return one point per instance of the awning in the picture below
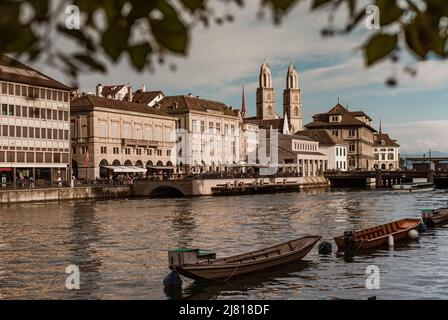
(161, 167)
(125, 169)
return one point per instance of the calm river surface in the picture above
(121, 246)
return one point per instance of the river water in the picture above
(120, 246)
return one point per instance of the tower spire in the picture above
(381, 131)
(243, 102)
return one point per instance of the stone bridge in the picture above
(147, 188)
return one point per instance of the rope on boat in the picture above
(233, 271)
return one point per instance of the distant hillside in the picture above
(426, 154)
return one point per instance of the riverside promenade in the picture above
(64, 193)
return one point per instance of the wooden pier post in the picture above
(430, 175)
(378, 179)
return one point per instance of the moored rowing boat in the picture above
(376, 237)
(234, 266)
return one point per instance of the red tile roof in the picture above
(388, 142)
(145, 97)
(89, 102)
(322, 120)
(322, 136)
(180, 104)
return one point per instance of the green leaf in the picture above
(282, 5)
(193, 5)
(114, 41)
(319, 3)
(378, 47)
(422, 36)
(389, 11)
(40, 8)
(89, 61)
(170, 33)
(139, 54)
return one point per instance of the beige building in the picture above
(34, 121)
(303, 154)
(114, 136)
(355, 128)
(211, 136)
(386, 152)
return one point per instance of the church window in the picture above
(265, 81)
(296, 112)
(296, 98)
(269, 110)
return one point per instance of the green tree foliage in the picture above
(148, 31)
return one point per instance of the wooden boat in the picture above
(433, 217)
(234, 266)
(413, 187)
(376, 237)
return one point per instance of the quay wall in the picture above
(145, 188)
(61, 194)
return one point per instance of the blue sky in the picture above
(221, 57)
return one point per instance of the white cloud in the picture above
(418, 136)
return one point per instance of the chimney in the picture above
(129, 92)
(143, 88)
(99, 90)
(190, 95)
(175, 105)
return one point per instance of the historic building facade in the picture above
(111, 136)
(212, 135)
(292, 100)
(298, 153)
(303, 154)
(34, 121)
(386, 152)
(355, 128)
(335, 148)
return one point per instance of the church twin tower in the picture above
(292, 98)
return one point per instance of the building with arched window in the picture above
(128, 136)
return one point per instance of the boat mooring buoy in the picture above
(422, 227)
(172, 279)
(391, 241)
(413, 234)
(325, 247)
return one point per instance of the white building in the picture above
(34, 120)
(212, 130)
(303, 153)
(330, 145)
(386, 152)
(126, 93)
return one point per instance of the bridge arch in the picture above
(166, 191)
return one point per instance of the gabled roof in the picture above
(322, 136)
(14, 71)
(388, 142)
(144, 97)
(89, 102)
(322, 120)
(114, 89)
(180, 104)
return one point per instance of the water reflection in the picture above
(85, 233)
(121, 246)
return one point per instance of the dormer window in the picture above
(335, 119)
